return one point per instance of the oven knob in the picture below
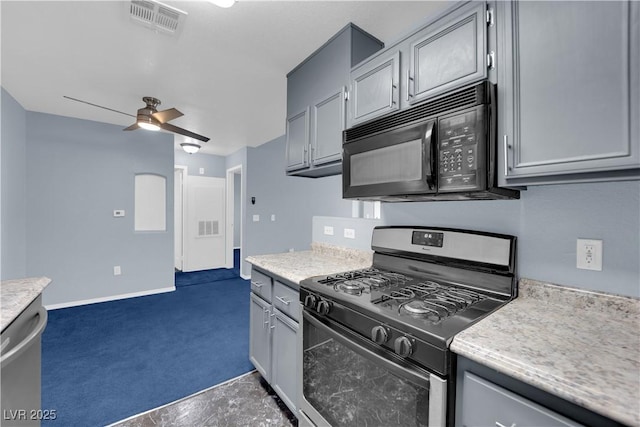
(403, 346)
(324, 307)
(310, 301)
(379, 334)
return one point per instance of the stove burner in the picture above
(353, 287)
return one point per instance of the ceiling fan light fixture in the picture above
(190, 147)
(147, 123)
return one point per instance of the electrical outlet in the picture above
(118, 213)
(589, 254)
(117, 270)
(201, 171)
(349, 233)
(328, 230)
(273, 217)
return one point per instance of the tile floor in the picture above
(245, 401)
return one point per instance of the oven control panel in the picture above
(462, 151)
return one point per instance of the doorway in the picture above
(235, 195)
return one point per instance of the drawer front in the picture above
(286, 299)
(485, 403)
(261, 285)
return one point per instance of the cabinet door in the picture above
(375, 88)
(260, 336)
(328, 123)
(449, 53)
(284, 379)
(569, 92)
(298, 140)
(487, 404)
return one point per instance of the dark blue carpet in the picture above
(105, 362)
(205, 276)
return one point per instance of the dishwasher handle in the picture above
(29, 339)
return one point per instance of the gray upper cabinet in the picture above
(448, 53)
(316, 90)
(569, 91)
(375, 88)
(298, 140)
(328, 123)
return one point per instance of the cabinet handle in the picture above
(257, 284)
(393, 88)
(409, 79)
(266, 322)
(273, 326)
(506, 154)
(282, 300)
(498, 424)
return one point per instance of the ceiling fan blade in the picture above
(166, 115)
(99, 106)
(175, 129)
(132, 127)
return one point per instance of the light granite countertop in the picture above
(320, 260)
(16, 295)
(579, 345)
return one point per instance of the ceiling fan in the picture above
(148, 117)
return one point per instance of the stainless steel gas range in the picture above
(375, 342)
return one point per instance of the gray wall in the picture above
(547, 221)
(78, 172)
(13, 191)
(214, 166)
(293, 200)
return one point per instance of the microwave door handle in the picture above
(429, 145)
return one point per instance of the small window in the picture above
(150, 202)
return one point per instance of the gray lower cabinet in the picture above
(316, 103)
(486, 397)
(284, 380)
(569, 91)
(273, 329)
(488, 404)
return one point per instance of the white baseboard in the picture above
(109, 298)
(245, 277)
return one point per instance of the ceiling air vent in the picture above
(157, 16)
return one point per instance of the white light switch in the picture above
(273, 217)
(118, 213)
(328, 230)
(117, 270)
(256, 218)
(589, 254)
(349, 233)
(201, 171)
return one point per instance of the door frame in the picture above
(179, 227)
(230, 214)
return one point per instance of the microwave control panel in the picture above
(462, 151)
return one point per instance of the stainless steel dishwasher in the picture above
(20, 362)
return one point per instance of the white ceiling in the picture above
(226, 71)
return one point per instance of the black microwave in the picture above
(442, 149)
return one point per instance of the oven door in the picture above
(396, 162)
(347, 381)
